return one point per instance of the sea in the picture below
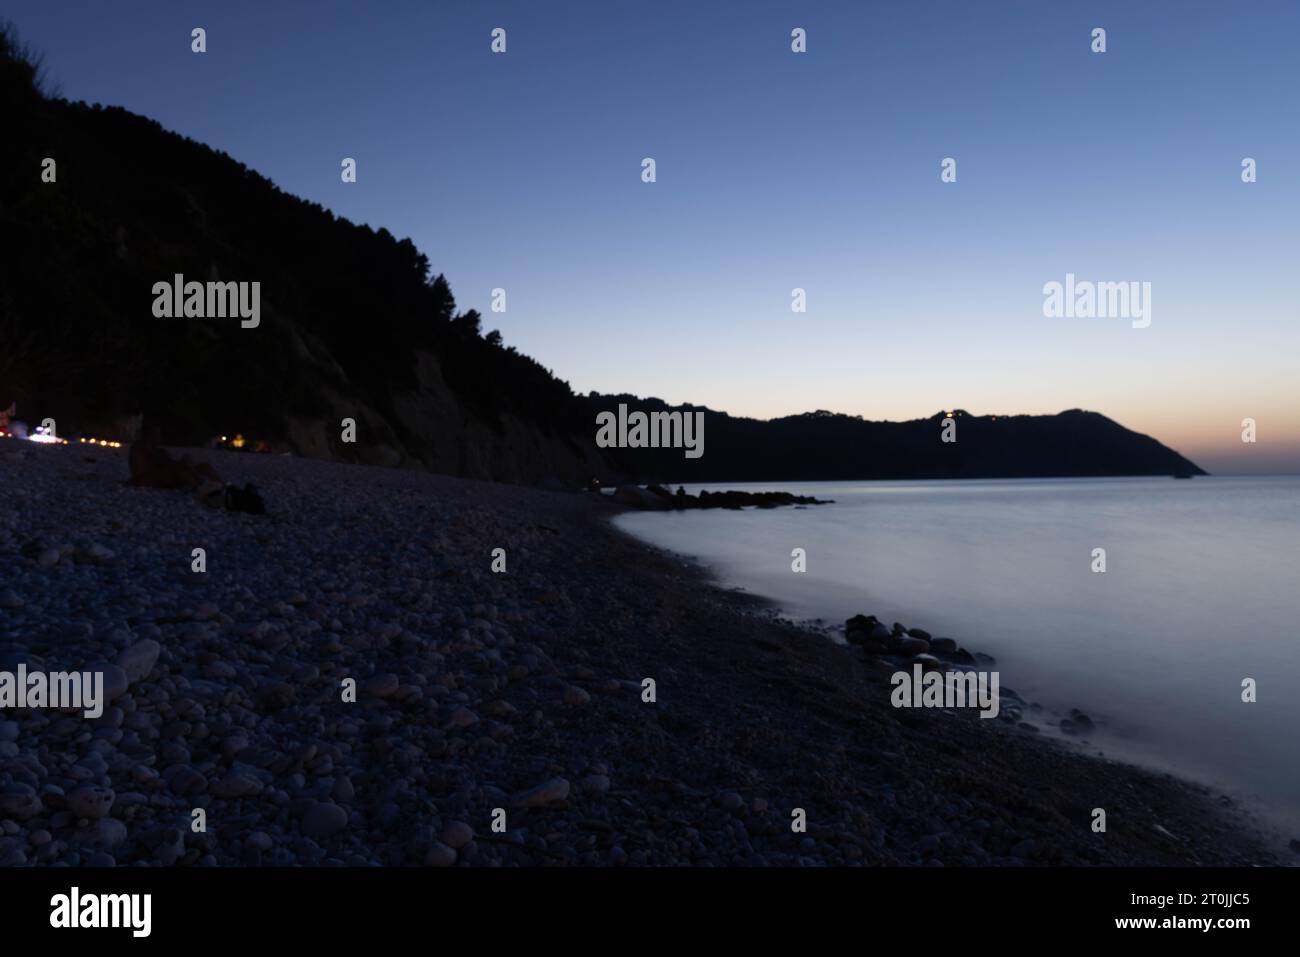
(1200, 592)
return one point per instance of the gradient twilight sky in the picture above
(778, 170)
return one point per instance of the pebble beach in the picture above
(513, 698)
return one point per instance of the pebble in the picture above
(92, 803)
(20, 802)
(573, 695)
(440, 855)
(115, 680)
(549, 792)
(105, 833)
(237, 785)
(382, 686)
(139, 659)
(462, 718)
(457, 834)
(323, 819)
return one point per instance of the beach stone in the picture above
(323, 819)
(929, 662)
(343, 790)
(462, 718)
(943, 646)
(731, 801)
(97, 553)
(184, 780)
(382, 686)
(638, 497)
(170, 847)
(20, 802)
(8, 730)
(859, 628)
(1080, 719)
(573, 695)
(115, 680)
(457, 834)
(105, 833)
(9, 599)
(548, 792)
(1024, 850)
(596, 783)
(237, 785)
(440, 855)
(12, 853)
(908, 646)
(48, 558)
(139, 659)
(91, 803)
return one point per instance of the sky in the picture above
(778, 170)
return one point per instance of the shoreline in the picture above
(520, 690)
(1250, 830)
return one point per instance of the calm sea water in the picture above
(1201, 590)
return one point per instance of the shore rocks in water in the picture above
(907, 647)
(638, 497)
(1076, 723)
(658, 498)
(914, 644)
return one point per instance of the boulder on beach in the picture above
(638, 497)
(910, 646)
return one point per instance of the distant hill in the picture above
(824, 445)
(356, 325)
